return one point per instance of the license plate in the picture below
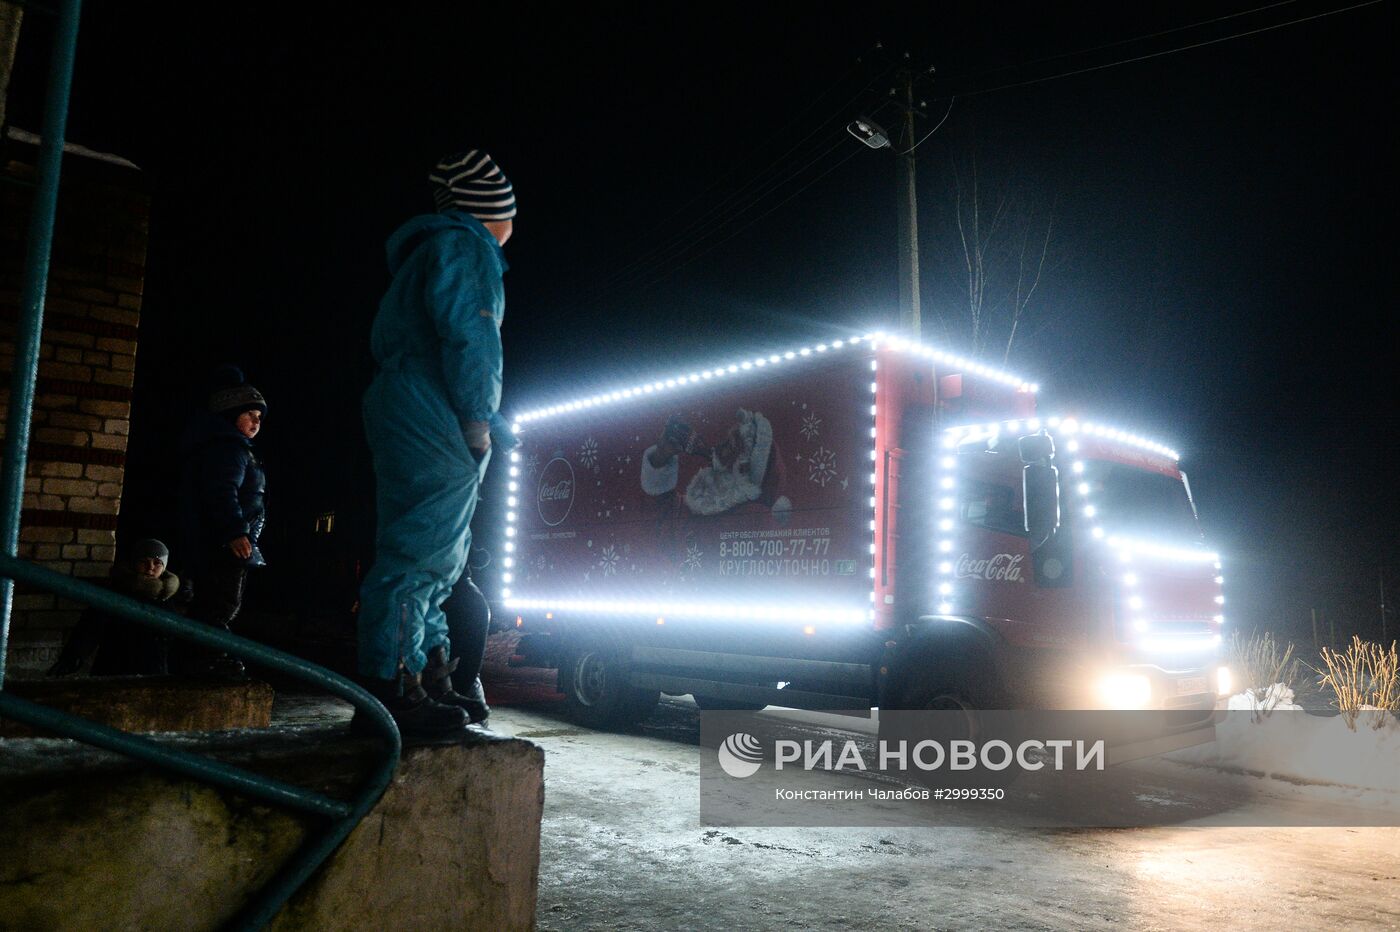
(1190, 685)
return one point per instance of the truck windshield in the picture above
(1140, 503)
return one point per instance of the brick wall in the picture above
(87, 366)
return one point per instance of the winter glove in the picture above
(502, 437)
(478, 436)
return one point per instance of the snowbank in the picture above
(1287, 743)
(1277, 697)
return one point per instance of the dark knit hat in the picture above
(149, 548)
(469, 181)
(233, 394)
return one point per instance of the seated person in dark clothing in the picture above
(123, 647)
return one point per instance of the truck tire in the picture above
(949, 682)
(948, 676)
(935, 698)
(945, 698)
(597, 693)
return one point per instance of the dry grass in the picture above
(1258, 662)
(1363, 678)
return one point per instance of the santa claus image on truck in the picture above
(758, 487)
(744, 469)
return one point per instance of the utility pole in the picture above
(869, 132)
(909, 317)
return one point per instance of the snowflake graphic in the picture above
(588, 454)
(811, 427)
(693, 557)
(607, 562)
(821, 466)
(532, 465)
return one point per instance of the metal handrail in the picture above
(344, 815)
(29, 327)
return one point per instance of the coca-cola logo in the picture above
(559, 490)
(1002, 567)
(556, 491)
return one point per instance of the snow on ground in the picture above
(623, 847)
(1269, 734)
(1277, 697)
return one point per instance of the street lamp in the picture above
(869, 132)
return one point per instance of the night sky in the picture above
(688, 193)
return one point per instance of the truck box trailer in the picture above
(868, 522)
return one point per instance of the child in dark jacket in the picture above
(222, 510)
(122, 647)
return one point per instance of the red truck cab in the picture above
(1112, 602)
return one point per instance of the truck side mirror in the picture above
(1040, 487)
(1040, 484)
(1036, 448)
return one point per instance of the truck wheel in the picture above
(597, 693)
(711, 704)
(960, 720)
(946, 699)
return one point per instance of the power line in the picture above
(660, 266)
(711, 222)
(1130, 41)
(764, 144)
(699, 229)
(714, 246)
(934, 130)
(1171, 51)
(714, 217)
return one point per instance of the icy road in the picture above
(623, 848)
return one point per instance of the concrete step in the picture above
(92, 840)
(148, 703)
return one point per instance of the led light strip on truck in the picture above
(874, 340)
(822, 613)
(1126, 548)
(1068, 427)
(664, 610)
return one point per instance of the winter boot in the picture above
(225, 668)
(203, 663)
(419, 717)
(437, 682)
(476, 706)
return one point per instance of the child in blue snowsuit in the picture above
(431, 420)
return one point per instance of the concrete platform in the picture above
(148, 703)
(91, 840)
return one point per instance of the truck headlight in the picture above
(1122, 690)
(1224, 682)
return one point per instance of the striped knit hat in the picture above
(471, 182)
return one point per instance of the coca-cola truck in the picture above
(863, 523)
